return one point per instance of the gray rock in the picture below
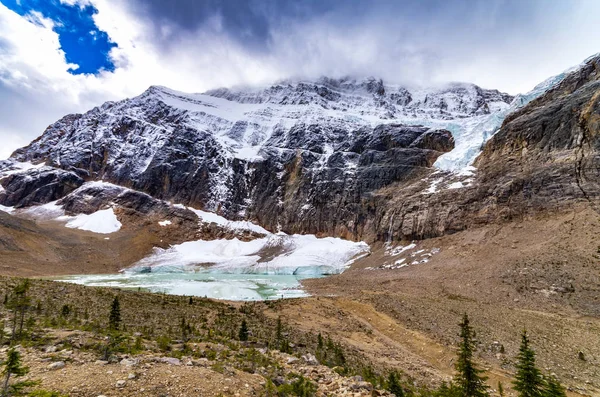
(171, 360)
(56, 365)
(310, 359)
(129, 362)
(101, 362)
(292, 360)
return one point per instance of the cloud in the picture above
(194, 46)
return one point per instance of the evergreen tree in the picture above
(19, 303)
(114, 319)
(319, 341)
(469, 379)
(500, 389)
(243, 334)
(448, 390)
(191, 301)
(66, 310)
(184, 329)
(12, 366)
(528, 379)
(279, 334)
(393, 385)
(554, 388)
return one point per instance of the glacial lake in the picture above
(242, 287)
(266, 268)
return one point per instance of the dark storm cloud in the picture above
(253, 22)
(249, 22)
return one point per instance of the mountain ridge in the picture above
(301, 157)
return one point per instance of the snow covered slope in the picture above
(243, 123)
(297, 156)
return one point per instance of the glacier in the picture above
(471, 135)
(276, 254)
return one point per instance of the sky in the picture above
(67, 56)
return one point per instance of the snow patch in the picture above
(49, 210)
(17, 167)
(10, 210)
(165, 223)
(103, 221)
(393, 251)
(210, 217)
(416, 257)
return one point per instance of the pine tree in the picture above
(393, 385)
(66, 310)
(500, 389)
(114, 319)
(19, 303)
(319, 342)
(279, 334)
(12, 366)
(554, 388)
(469, 379)
(243, 334)
(528, 379)
(184, 329)
(448, 390)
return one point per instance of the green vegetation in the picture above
(114, 319)
(199, 328)
(528, 379)
(299, 386)
(18, 302)
(393, 385)
(469, 379)
(554, 388)
(243, 333)
(13, 367)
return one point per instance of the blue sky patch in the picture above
(81, 40)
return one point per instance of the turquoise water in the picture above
(243, 287)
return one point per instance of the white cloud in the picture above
(36, 87)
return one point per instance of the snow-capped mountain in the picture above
(212, 140)
(299, 156)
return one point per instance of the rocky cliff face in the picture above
(345, 157)
(544, 158)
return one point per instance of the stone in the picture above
(121, 383)
(129, 362)
(56, 365)
(310, 359)
(292, 360)
(171, 360)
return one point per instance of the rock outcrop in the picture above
(544, 158)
